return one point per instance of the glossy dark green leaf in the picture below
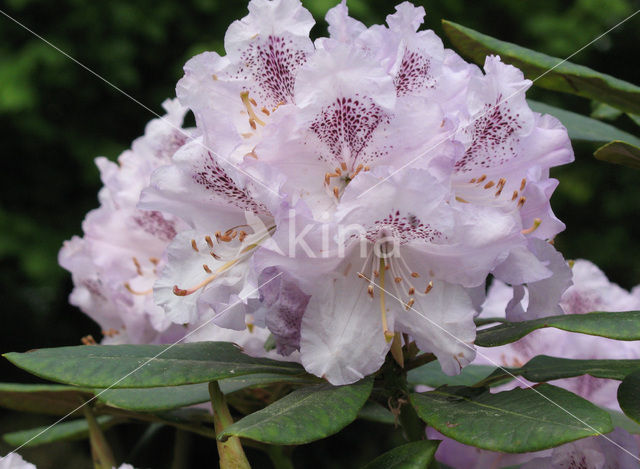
(431, 375)
(621, 153)
(305, 415)
(172, 397)
(621, 326)
(73, 430)
(515, 421)
(629, 396)
(549, 72)
(604, 112)
(545, 368)
(584, 128)
(146, 366)
(374, 412)
(414, 455)
(50, 399)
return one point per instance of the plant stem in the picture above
(279, 458)
(181, 450)
(230, 451)
(419, 361)
(100, 449)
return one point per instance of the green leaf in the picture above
(635, 118)
(172, 397)
(374, 412)
(431, 375)
(146, 366)
(415, 455)
(305, 415)
(629, 396)
(73, 430)
(545, 368)
(618, 152)
(620, 420)
(584, 128)
(620, 326)
(549, 72)
(515, 421)
(604, 111)
(50, 399)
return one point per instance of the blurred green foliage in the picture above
(55, 118)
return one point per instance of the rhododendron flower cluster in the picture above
(345, 195)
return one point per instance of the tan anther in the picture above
(515, 195)
(252, 154)
(521, 202)
(338, 171)
(327, 178)
(265, 111)
(412, 291)
(209, 241)
(358, 169)
(429, 287)
(489, 185)
(410, 303)
(154, 260)
(215, 77)
(415, 274)
(397, 279)
(366, 168)
(246, 135)
(361, 275)
(387, 267)
(336, 192)
(242, 235)
(252, 123)
(376, 273)
(370, 290)
(194, 245)
(253, 101)
(472, 180)
(343, 165)
(215, 256)
(523, 183)
(481, 178)
(206, 268)
(179, 291)
(88, 340)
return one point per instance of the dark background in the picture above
(55, 118)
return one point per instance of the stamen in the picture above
(472, 180)
(522, 184)
(248, 102)
(481, 178)
(343, 165)
(246, 135)
(338, 171)
(534, 227)
(521, 202)
(242, 235)
(327, 178)
(138, 267)
(515, 195)
(376, 273)
(358, 169)
(410, 303)
(194, 245)
(88, 340)
(415, 274)
(252, 154)
(460, 199)
(489, 184)
(184, 292)
(215, 77)
(206, 268)
(370, 290)
(154, 260)
(412, 291)
(214, 255)
(388, 335)
(366, 168)
(336, 192)
(265, 111)
(429, 287)
(134, 292)
(209, 241)
(398, 279)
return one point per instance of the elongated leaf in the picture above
(515, 421)
(50, 399)
(618, 152)
(584, 128)
(621, 420)
(305, 415)
(620, 326)
(146, 366)
(374, 412)
(629, 396)
(73, 430)
(414, 455)
(545, 368)
(172, 397)
(604, 112)
(566, 77)
(431, 375)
